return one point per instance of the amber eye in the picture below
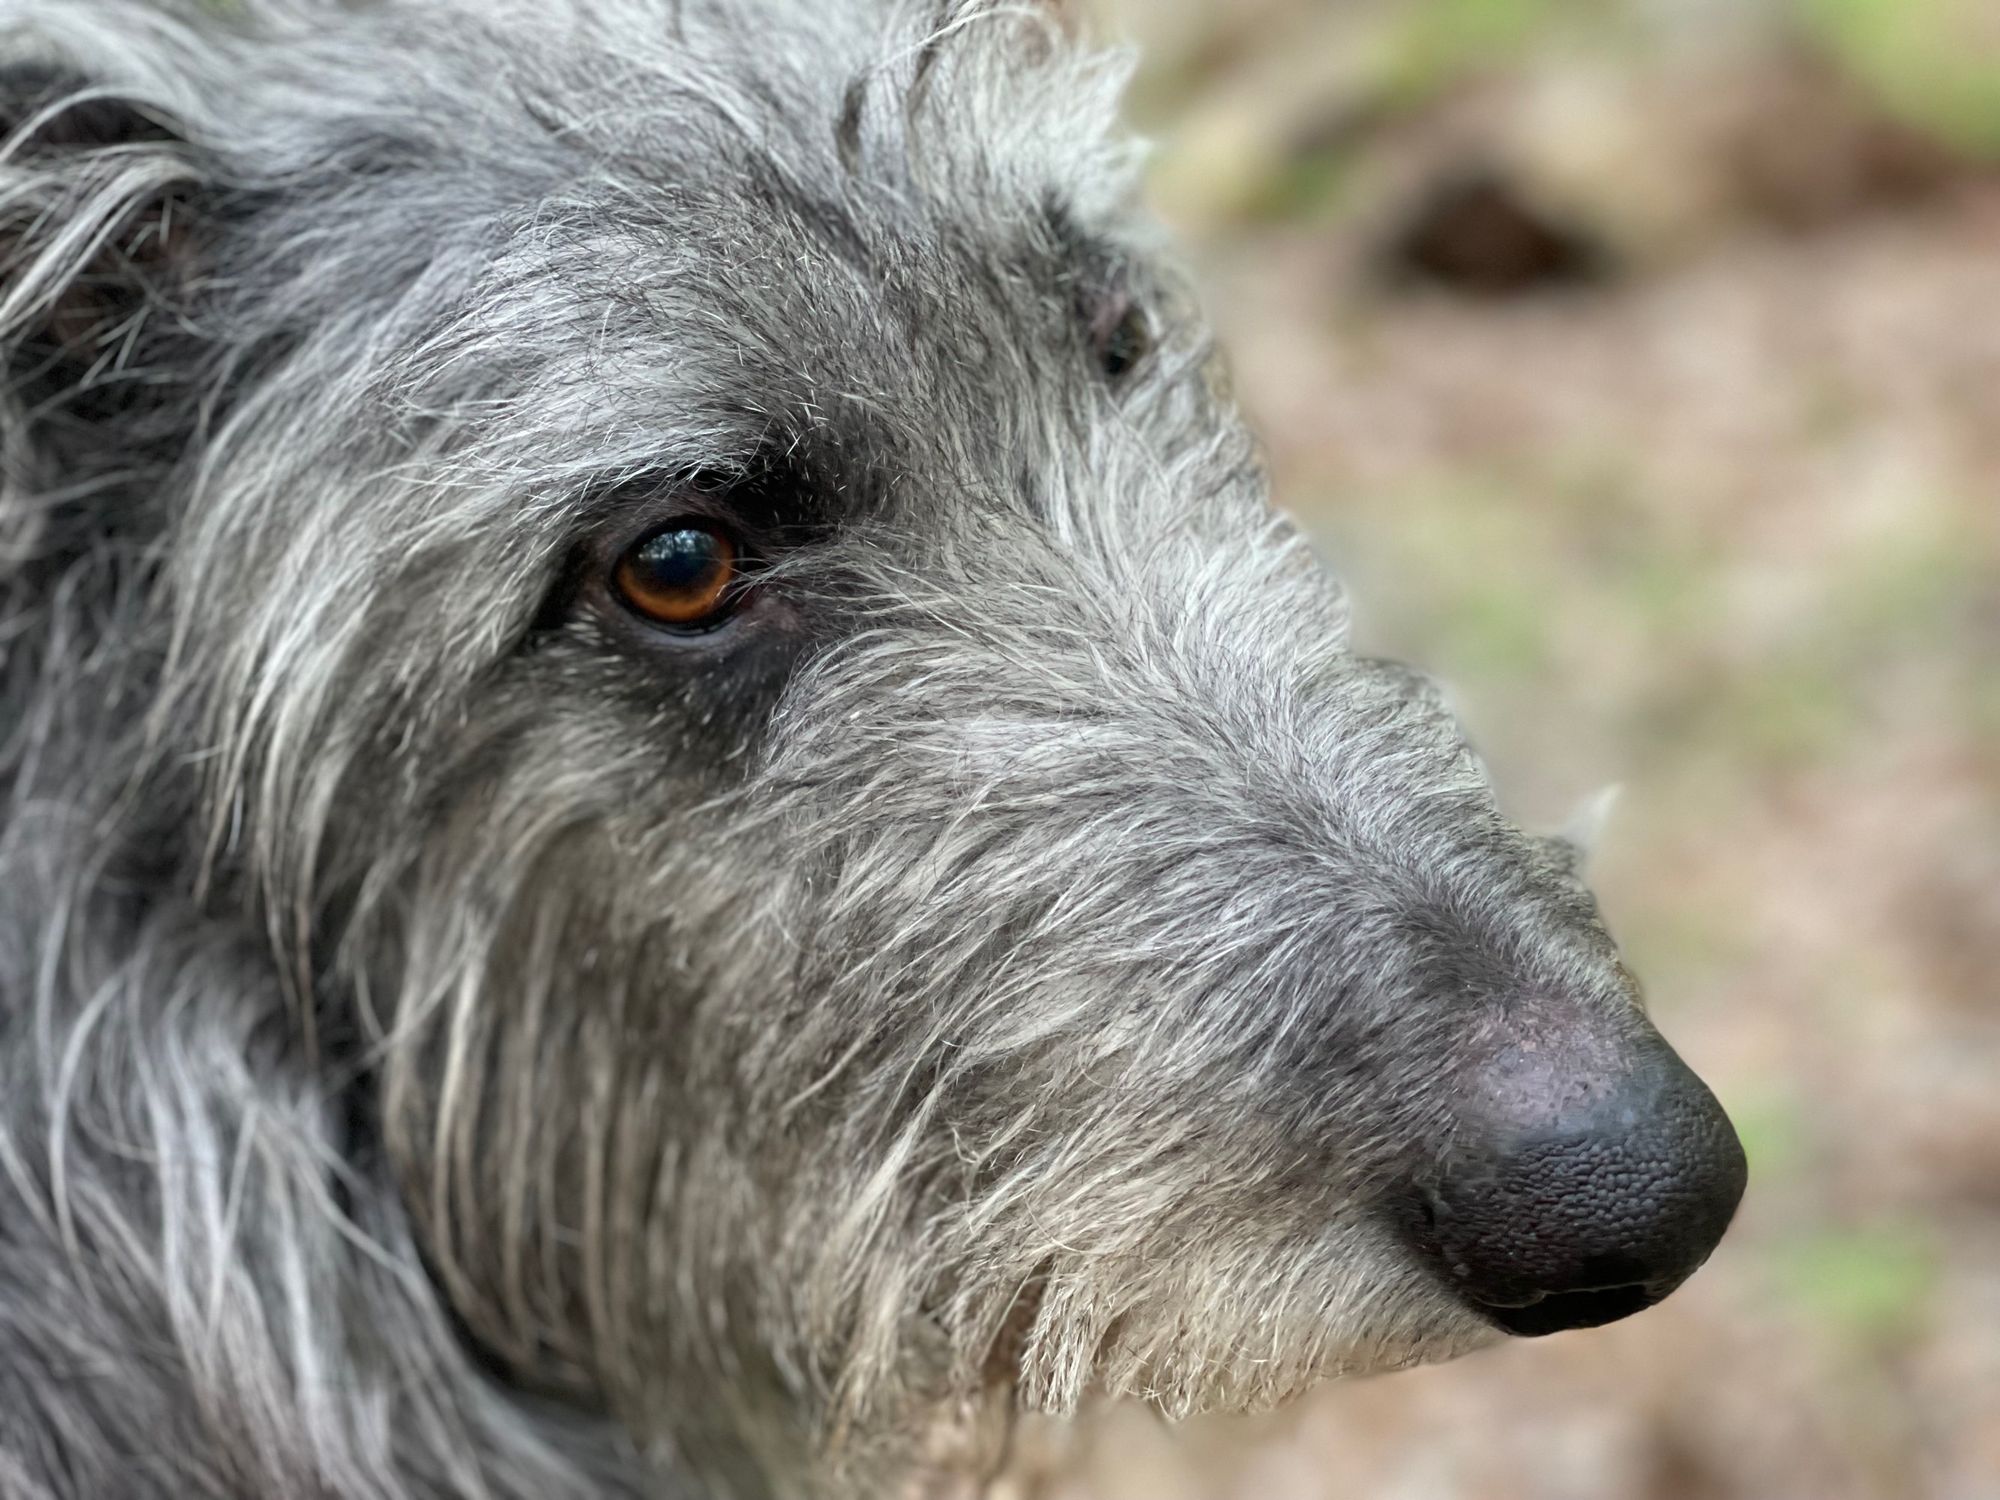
(684, 576)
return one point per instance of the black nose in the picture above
(1567, 1202)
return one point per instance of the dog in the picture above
(677, 821)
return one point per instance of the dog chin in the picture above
(965, 1444)
(1220, 1379)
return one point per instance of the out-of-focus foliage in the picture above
(1428, 47)
(1936, 62)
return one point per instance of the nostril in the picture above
(1567, 1310)
(1587, 1213)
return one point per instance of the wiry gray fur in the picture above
(457, 1041)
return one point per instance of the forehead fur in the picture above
(542, 237)
(399, 150)
(930, 96)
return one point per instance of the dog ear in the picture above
(97, 198)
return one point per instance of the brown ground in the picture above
(1709, 510)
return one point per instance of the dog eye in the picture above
(684, 576)
(1122, 339)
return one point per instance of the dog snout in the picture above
(1578, 1188)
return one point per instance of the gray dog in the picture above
(676, 819)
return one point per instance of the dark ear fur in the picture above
(97, 198)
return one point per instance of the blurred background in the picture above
(1639, 363)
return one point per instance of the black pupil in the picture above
(680, 561)
(1125, 345)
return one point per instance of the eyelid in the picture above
(770, 501)
(655, 511)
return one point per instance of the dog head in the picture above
(743, 665)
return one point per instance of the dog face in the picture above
(748, 667)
